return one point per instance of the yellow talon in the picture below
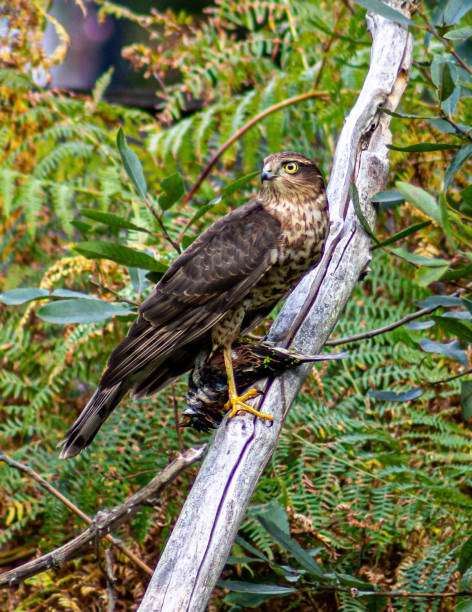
(237, 402)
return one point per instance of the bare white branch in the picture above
(196, 551)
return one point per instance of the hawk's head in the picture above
(291, 175)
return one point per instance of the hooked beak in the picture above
(267, 175)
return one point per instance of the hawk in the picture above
(222, 285)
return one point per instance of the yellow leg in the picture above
(237, 402)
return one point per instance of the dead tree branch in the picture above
(199, 545)
(104, 522)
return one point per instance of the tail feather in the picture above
(92, 417)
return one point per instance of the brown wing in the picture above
(211, 276)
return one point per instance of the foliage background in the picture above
(375, 489)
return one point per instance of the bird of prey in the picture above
(222, 285)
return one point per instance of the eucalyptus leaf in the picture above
(13, 297)
(446, 83)
(463, 315)
(360, 215)
(419, 325)
(447, 301)
(420, 260)
(110, 219)
(238, 183)
(132, 165)
(422, 147)
(292, 546)
(465, 555)
(459, 33)
(391, 396)
(375, 6)
(173, 188)
(259, 589)
(80, 310)
(460, 158)
(426, 275)
(454, 327)
(421, 199)
(412, 229)
(448, 349)
(97, 249)
(466, 400)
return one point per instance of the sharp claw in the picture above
(237, 403)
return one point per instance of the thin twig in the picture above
(446, 44)
(46, 485)
(113, 292)
(446, 380)
(382, 330)
(268, 111)
(104, 522)
(355, 593)
(158, 218)
(111, 580)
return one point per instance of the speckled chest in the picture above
(304, 231)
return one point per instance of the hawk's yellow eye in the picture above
(291, 167)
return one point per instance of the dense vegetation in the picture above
(372, 477)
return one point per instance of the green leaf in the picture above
(244, 601)
(375, 6)
(97, 249)
(251, 587)
(238, 183)
(20, 296)
(463, 604)
(454, 327)
(390, 196)
(391, 396)
(446, 84)
(446, 128)
(392, 113)
(132, 165)
(68, 293)
(459, 33)
(173, 188)
(246, 546)
(80, 310)
(426, 275)
(83, 228)
(421, 199)
(460, 158)
(447, 301)
(467, 304)
(418, 325)
(458, 314)
(293, 547)
(110, 219)
(419, 260)
(424, 146)
(412, 229)
(449, 349)
(465, 555)
(278, 515)
(466, 400)
(445, 222)
(360, 215)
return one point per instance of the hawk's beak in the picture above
(267, 175)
